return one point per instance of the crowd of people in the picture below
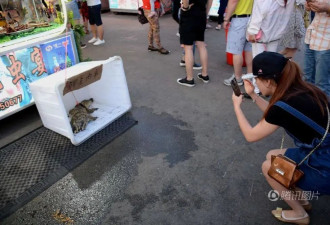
(298, 101)
(253, 26)
(90, 12)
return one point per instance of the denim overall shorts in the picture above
(316, 167)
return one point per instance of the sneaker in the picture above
(163, 51)
(178, 34)
(227, 81)
(205, 79)
(218, 27)
(208, 26)
(99, 42)
(182, 63)
(152, 48)
(82, 46)
(92, 40)
(196, 66)
(185, 82)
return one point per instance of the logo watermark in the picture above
(274, 195)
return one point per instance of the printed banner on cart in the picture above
(20, 68)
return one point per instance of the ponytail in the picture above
(291, 84)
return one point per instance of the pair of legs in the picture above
(258, 48)
(189, 58)
(317, 68)
(84, 14)
(95, 22)
(289, 52)
(294, 33)
(296, 204)
(238, 64)
(97, 31)
(236, 44)
(221, 11)
(154, 32)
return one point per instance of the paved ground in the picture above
(186, 162)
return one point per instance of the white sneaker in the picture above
(227, 82)
(92, 40)
(99, 42)
(178, 34)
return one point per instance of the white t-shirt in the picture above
(93, 2)
(272, 17)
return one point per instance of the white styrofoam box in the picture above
(110, 95)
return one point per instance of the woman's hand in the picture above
(188, 8)
(252, 38)
(249, 87)
(307, 7)
(319, 7)
(237, 100)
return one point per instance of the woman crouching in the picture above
(302, 110)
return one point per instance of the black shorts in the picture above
(94, 13)
(192, 26)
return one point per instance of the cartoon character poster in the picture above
(17, 70)
(54, 53)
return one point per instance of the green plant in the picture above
(80, 29)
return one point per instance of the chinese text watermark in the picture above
(274, 195)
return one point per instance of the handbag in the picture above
(141, 17)
(285, 171)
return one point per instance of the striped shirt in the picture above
(318, 32)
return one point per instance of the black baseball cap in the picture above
(269, 65)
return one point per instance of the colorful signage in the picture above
(54, 53)
(21, 67)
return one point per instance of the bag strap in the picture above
(318, 145)
(308, 119)
(300, 116)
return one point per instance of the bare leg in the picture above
(189, 59)
(93, 28)
(238, 62)
(86, 26)
(297, 210)
(203, 56)
(290, 52)
(100, 32)
(284, 51)
(248, 61)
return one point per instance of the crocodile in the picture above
(80, 115)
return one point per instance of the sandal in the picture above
(278, 214)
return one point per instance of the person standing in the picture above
(268, 21)
(84, 14)
(95, 21)
(239, 11)
(192, 28)
(221, 11)
(295, 30)
(317, 40)
(152, 10)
